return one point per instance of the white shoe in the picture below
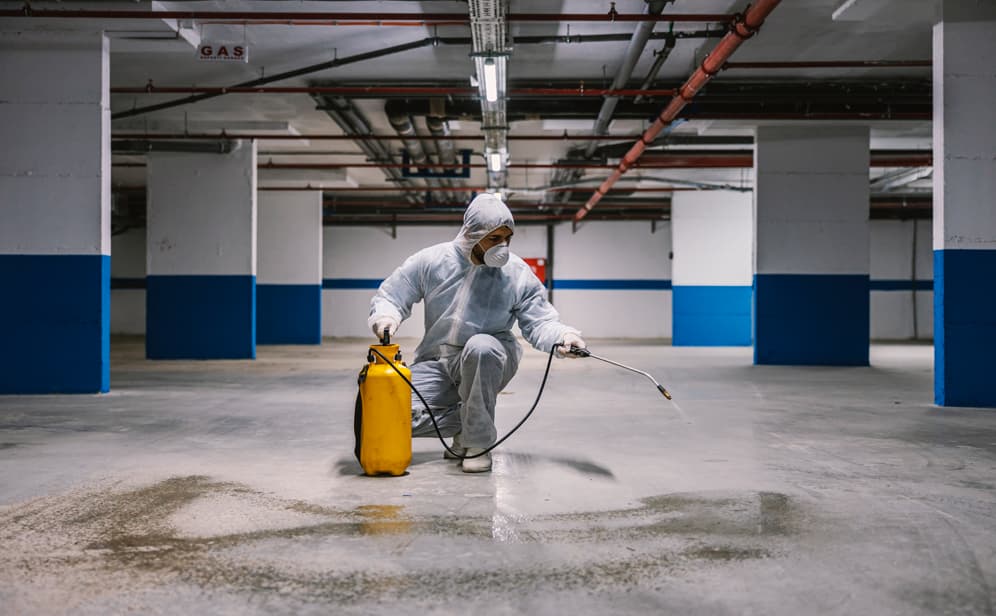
(458, 449)
(481, 464)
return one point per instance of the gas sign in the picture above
(237, 52)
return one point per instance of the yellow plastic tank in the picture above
(383, 419)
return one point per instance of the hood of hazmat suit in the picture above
(484, 214)
(463, 299)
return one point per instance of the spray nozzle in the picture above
(579, 351)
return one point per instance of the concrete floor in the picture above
(230, 488)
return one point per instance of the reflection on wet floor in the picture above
(142, 532)
(345, 467)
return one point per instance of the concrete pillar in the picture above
(964, 205)
(201, 242)
(712, 268)
(289, 285)
(811, 262)
(54, 212)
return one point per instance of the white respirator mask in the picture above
(496, 256)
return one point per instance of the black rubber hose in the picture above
(435, 425)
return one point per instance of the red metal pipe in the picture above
(337, 203)
(855, 115)
(337, 19)
(742, 29)
(833, 64)
(670, 160)
(338, 137)
(387, 90)
(422, 189)
(457, 218)
(465, 137)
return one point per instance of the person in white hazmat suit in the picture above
(474, 289)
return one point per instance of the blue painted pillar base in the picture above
(289, 314)
(200, 317)
(711, 316)
(964, 327)
(818, 320)
(56, 316)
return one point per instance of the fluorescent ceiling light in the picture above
(490, 80)
(494, 162)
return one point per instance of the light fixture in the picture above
(494, 162)
(490, 80)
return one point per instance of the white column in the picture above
(964, 204)
(54, 212)
(712, 268)
(811, 191)
(201, 242)
(289, 285)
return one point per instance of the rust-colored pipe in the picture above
(833, 64)
(375, 19)
(670, 160)
(742, 28)
(385, 90)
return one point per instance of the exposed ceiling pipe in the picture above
(742, 28)
(668, 160)
(352, 122)
(445, 147)
(832, 64)
(321, 66)
(402, 124)
(143, 146)
(365, 19)
(339, 137)
(660, 57)
(383, 91)
(633, 52)
(901, 178)
(389, 189)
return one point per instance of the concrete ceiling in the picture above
(163, 52)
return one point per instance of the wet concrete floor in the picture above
(229, 487)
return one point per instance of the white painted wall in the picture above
(202, 213)
(713, 235)
(811, 200)
(892, 247)
(290, 238)
(614, 251)
(55, 155)
(128, 261)
(964, 133)
(369, 253)
(600, 251)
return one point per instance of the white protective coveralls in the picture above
(468, 354)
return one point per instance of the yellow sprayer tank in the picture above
(383, 419)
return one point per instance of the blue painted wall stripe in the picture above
(351, 283)
(288, 314)
(811, 319)
(572, 284)
(711, 315)
(200, 317)
(561, 284)
(964, 327)
(56, 334)
(900, 285)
